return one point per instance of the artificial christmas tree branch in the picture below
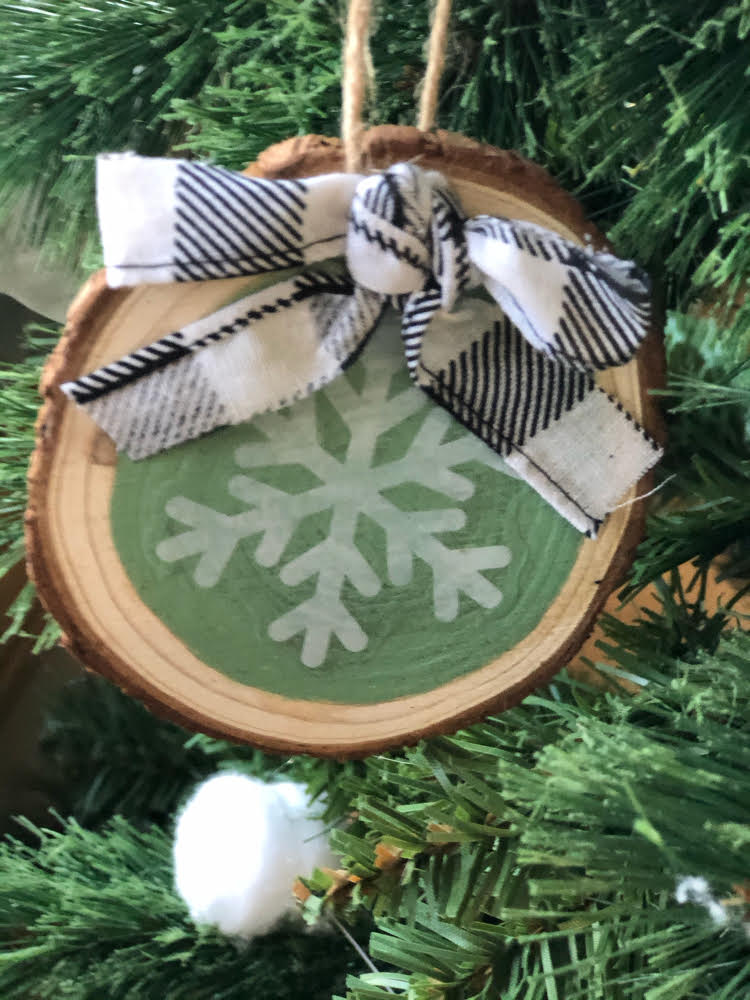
(572, 820)
(88, 915)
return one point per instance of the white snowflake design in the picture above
(351, 488)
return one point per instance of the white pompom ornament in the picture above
(239, 845)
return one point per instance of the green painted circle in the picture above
(336, 533)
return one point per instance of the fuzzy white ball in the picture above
(695, 889)
(239, 845)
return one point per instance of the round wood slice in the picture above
(79, 488)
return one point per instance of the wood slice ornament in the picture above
(347, 574)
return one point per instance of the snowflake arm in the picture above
(211, 535)
(320, 618)
(334, 561)
(302, 447)
(214, 536)
(454, 571)
(399, 552)
(278, 513)
(458, 571)
(430, 462)
(372, 406)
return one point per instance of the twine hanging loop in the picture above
(355, 72)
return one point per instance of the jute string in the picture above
(355, 74)
(435, 62)
(354, 81)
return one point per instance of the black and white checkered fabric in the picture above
(517, 370)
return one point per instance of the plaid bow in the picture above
(515, 366)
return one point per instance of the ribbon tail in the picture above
(563, 435)
(257, 354)
(586, 460)
(164, 220)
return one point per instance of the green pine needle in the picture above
(705, 511)
(567, 823)
(19, 393)
(89, 915)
